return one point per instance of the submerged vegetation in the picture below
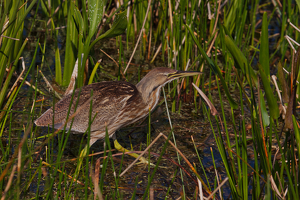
(243, 145)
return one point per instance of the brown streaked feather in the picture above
(108, 99)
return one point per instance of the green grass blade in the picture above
(214, 68)
(298, 3)
(7, 81)
(71, 46)
(240, 59)
(264, 112)
(271, 99)
(297, 134)
(264, 46)
(94, 72)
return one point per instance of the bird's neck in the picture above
(150, 94)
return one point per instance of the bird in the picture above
(115, 104)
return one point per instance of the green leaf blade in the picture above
(264, 46)
(240, 59)
(271, 99)
(119, 26)
(96, 9)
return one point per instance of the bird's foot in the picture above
(144, 162)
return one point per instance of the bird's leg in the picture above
(122, 149)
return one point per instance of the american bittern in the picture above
(115, 103)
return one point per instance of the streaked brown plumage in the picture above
(116, 103)
(115, 96)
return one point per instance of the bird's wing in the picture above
(107, 100)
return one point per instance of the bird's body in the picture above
(115, 104)
(119, 103)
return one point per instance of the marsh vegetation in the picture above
(247, 52)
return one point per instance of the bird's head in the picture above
(158, 77)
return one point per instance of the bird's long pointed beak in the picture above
(180, 74)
